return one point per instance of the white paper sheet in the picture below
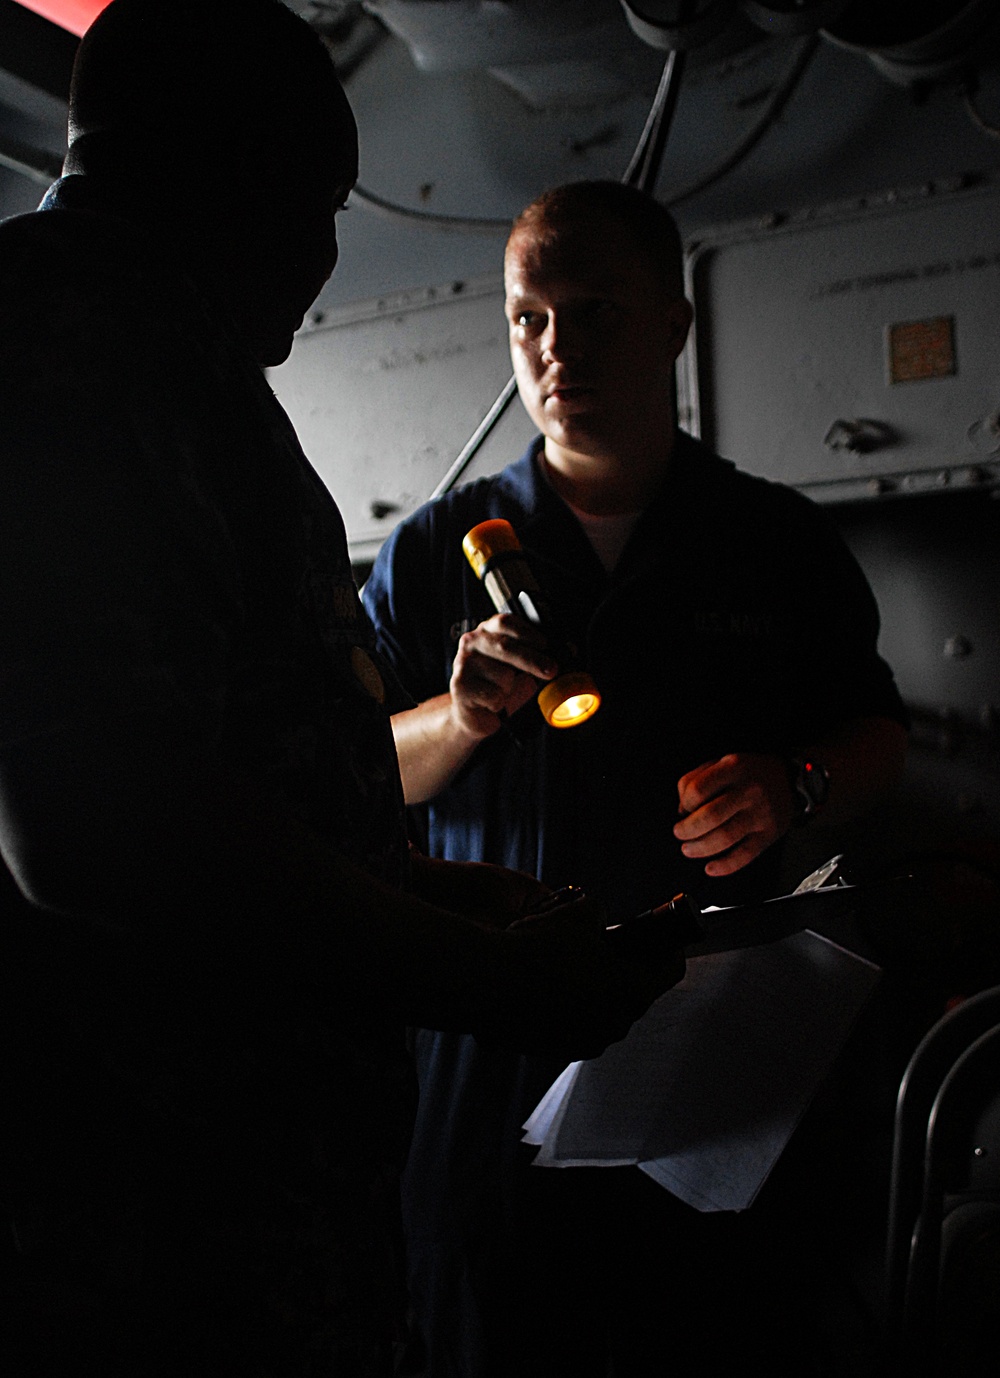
(707, 1088)
(541, 1120)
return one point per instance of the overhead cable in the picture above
(972, 110)
(645, 161)
(475, 442)
(778, 99)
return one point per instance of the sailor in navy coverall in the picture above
(730, 633)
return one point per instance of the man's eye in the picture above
(526, 319)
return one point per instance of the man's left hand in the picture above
(734, 809)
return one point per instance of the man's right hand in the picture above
(496, 671)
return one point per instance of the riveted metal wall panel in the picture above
(854, 350)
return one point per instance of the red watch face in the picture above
(813, 784)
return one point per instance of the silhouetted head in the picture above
(223, 124)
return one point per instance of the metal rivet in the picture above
(957, 647)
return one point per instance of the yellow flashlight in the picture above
(495, 553)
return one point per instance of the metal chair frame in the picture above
(952, 1076)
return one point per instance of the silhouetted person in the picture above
(215, 931)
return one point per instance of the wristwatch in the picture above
(811, 783)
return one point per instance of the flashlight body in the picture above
(514, 589)
(495, 553)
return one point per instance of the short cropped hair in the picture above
(576, 204)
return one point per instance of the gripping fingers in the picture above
(497, 670)
(509, 641)
(738, 857)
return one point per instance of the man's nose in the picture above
(560, 341)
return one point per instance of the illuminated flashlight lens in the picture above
(574, 710)
(569, 700)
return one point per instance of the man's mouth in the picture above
(566, 392)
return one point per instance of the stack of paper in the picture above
(707, 1088)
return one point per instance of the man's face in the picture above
(281, 230)
(296, 253)
(594, 335)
